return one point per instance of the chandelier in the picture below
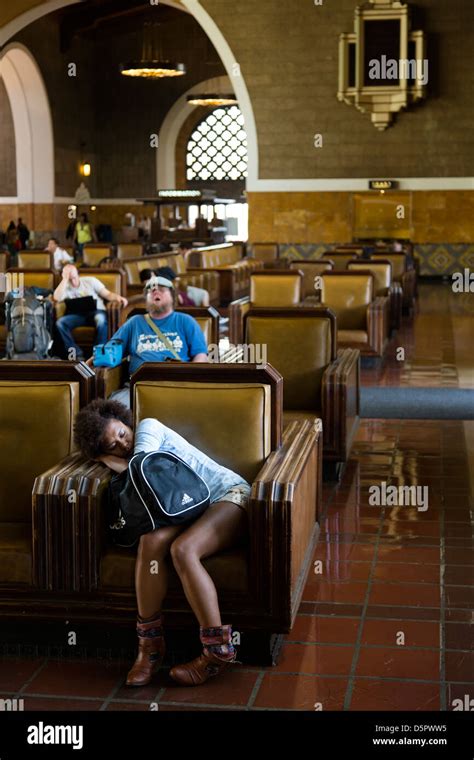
(152, 64)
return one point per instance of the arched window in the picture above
(217, 148)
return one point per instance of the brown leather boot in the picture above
(198, 671)
(217, 655)
(151, 651)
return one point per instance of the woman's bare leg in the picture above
(151, 572)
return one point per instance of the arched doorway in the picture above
(34, 143)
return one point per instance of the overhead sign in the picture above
(382, 184)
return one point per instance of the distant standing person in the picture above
(61, 257)
(23, 233)
(84, 233)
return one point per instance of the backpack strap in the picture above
(162, 337)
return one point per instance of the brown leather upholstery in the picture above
(34, 260)
(301, 345)
(129, 250)
(93, 254)
(381, 270)
(362, 319)
(4, 261)
(234, 270)
(229, 422)
(278, 288)
(397, 260)
(266, 252)
(340, 258)
(40, 278)
(208, 280)
(348, 296)
(407, 278)
(38, 401)
(300, 349)
(311, 269)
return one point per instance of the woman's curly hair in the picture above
(91, 423)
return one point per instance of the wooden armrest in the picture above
(66, 534)
(283, 511)
(340, 399)
(110, 379)
(377, 323)
(237, 309)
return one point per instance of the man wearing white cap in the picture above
(161, 334)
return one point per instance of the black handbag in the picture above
(157, 489)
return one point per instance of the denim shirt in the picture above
(152, 435)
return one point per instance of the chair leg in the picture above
(259, 648)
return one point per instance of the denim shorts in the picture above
(238, 495)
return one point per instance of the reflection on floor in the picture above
(386, 620)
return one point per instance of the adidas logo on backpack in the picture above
(186, 499)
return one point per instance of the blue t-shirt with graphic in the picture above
(142, 344)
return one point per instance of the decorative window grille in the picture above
(217, 148)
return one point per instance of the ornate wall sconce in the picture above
(382, 65)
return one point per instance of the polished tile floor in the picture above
(386, 620)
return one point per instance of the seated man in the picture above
(61, 257)
(71, 287)
(161, 334)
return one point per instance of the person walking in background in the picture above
(84, 233)
(23, 233)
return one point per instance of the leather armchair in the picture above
(38, 403)
(34, 260)
(271, 288)
(129, 250)
(319, 381)
(111, 379)
(341, 258)
(403, 275)
(268, 253)
(40, 278)
(383, 286)
(208, 280)
(233, 268)
(311, 268)
(4, 261)
(93, 254)
(361, 317)
(233, 413)
(113, 280)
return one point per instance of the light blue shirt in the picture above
(152, 435)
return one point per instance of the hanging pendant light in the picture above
(152, 64)
(219, 97)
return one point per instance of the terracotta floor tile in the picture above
(301, 692)
(459, 636)
(378, 611)
(319, 591)
(417, 633)
(459, 691)
(453, 615)
(399, 553)
(462, 575)
(15, 671)
(194, 708)
(326, 630)
(81, 679)
(399, 571)
(70, 705)
(394, 695)
(128, 707)
(459, 556)
(413, 594)
(409, 529)
(400, 663)
(315, 658)
(233, 687)
(343, 571)
(460, 666)
(344, 552)
(459, 596)
(335, 610)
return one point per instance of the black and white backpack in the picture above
(157, 489)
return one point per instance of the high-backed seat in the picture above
(113, 280)
(234, 269)
(92, 254)
(208, 280)
(361, 317)
(383, 286)
(271, 288)
(311, 269)
(4, 261)
(402, 274)
(129, 250)
(340, 258)
(38, 403)
(39, 278)
(268, 253)
(319, 381)
(34, 260)
(109, 380)
(232, 413)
